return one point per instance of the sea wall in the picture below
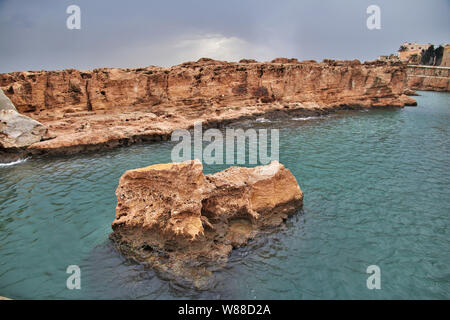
(428, 78)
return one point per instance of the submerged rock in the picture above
(183, 223)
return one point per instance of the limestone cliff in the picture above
(208, 83)
(103, 108)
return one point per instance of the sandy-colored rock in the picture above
(162, 199)
(184, 223)
(407, 100)
(105, 108)
(206, 83)
(410, 92)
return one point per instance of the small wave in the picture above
(262, 120)
(13, 162)
(305, 118)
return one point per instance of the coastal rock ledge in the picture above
(184, 224)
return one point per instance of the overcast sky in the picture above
(34, 36)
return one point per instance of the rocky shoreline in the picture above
(428, 78)
(106, 108)
(184, 224)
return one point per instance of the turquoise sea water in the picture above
(376, 186)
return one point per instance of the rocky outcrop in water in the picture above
(17, 130)
(184, 223)
(104, 108)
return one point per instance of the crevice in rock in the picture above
(88, 99)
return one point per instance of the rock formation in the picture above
(183, 223)
(428, 78)
(103, 108)
(208, 83)
(5, 102)
(17, 130)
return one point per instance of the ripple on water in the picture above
(376, 191)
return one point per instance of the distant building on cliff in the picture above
(408, 49)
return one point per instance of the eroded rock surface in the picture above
(428, 78)
(17, 130)
(104, 108)
(184, 223)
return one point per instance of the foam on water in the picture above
(305, 118)
(13, 163)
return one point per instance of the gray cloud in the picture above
(139, 33)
